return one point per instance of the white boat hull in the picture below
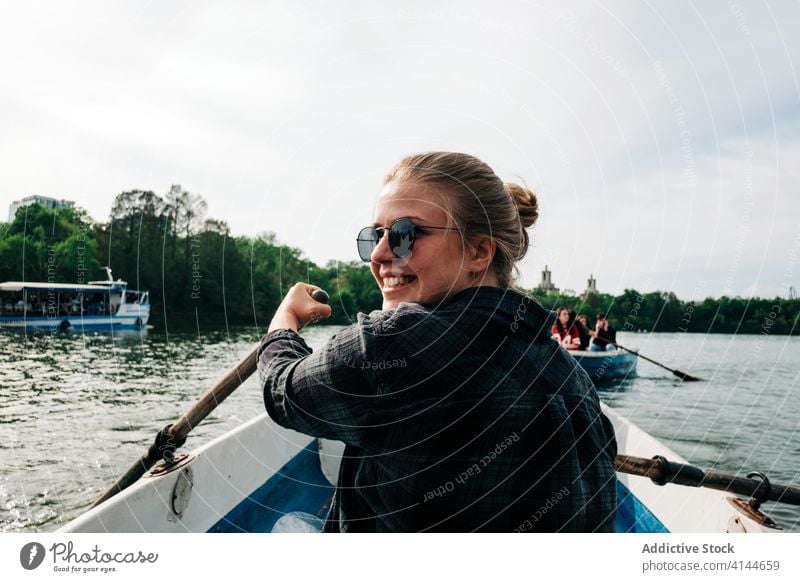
(245, 479)
(224, 473)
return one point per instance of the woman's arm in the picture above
(326, 394)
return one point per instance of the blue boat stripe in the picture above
(633, 516)
(298, 486)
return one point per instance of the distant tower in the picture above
(591, 287)
(546, 285)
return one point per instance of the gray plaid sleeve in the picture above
(327, 394)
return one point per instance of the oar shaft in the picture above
(678, 373)
(168, 440)
(127, 479)
(744, 486)
(180, 429)
(652, 361)
(689, 475)
(215, 395)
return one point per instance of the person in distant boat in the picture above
(458, 411)
(566, 332)
(583, 329)
(605, 336)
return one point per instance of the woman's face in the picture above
(437, 266)
(563, 316)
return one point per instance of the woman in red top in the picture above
(566, 332)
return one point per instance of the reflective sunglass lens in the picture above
(401, 238)
(367, 240)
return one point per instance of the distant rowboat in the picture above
(612, 365)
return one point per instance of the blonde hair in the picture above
(482, 204)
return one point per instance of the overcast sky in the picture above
(661, 137)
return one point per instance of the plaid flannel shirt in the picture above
(462, 417)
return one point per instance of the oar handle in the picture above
(662, 471)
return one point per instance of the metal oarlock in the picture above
(761, 494)
(164, 446)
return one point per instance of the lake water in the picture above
(76, 410)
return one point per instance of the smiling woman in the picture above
(483, 238)
(487, 420)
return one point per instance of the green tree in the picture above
(42, 244)
(131, 243)
(22, 259)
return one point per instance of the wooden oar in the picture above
(174, 435)
(662, 471)
(678, 373)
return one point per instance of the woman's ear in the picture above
(480, 253)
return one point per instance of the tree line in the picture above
(196, 270)
(664, 312)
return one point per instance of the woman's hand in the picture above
(298, 308)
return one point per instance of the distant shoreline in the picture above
(195, 271)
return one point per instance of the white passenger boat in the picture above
(245, 480)
(105, 304)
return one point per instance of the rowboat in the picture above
(610, 365)
(245, 480)
(107, 304)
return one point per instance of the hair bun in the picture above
(525, 200)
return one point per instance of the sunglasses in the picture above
(402, 234)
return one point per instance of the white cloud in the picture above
(285, 117)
